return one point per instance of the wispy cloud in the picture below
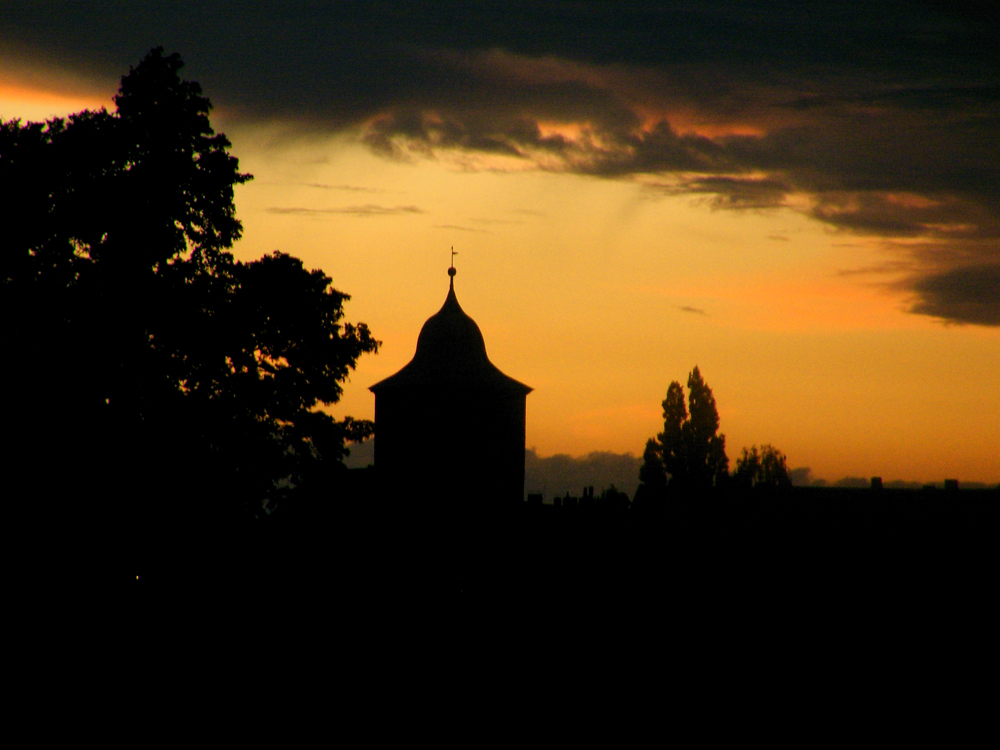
(879, 269)
(688, 309)
(459, 228)
(366, 210)
(347, 188)
(497, 221)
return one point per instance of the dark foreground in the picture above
(812, 554)
(820, 608)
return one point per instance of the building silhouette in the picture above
(450, 425)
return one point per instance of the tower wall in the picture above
(457, 445)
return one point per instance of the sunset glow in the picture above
(607, 245)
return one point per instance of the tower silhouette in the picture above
(450, 425)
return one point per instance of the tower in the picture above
(450, 425)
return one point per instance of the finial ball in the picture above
(451, 271)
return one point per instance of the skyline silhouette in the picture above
(801, 202)
(182, 398)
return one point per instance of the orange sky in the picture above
(598, 292)
(580, 287)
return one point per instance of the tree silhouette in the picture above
(652, 489)
(707, 462)
(689, 449)
(673, 451)
(762, 468)
(148, 359)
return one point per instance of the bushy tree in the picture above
(147, 359)
(762, 468)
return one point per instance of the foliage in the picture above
(672, 449)
(706, 449)
(144, 350)
(762, 468)
(652, 488)
(651, 473)
(689, 449)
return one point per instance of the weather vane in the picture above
(451, 271)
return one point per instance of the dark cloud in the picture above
(880, 119)
(800, 477)
(968, 294)
(739, 192)
(856, 482)
(902, 484)
(361, 454)
(554, 476)
(695, 310)
(551, 475)
(367, 210)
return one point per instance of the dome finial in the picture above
(452, 271)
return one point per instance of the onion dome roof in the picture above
(451, 352)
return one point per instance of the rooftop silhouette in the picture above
(451, 352)
(450, 419)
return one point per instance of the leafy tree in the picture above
(147, 358)
(762, 468)
(690, 449)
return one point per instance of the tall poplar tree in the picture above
(673, 450)
(690, 449)
(707, 462)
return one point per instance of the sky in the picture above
(800, 198)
